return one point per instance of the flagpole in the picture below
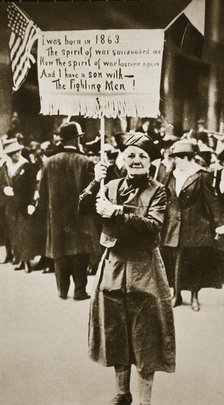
(173, 21)
(102, 150)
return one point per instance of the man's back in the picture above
(65, 176)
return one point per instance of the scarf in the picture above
(131, 187)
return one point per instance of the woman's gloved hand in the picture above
(8, 191)
(219, 232)
(105, 208)
(100, 171)
(31, 209)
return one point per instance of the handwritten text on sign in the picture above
(100, 63)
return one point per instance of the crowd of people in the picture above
(155, 199)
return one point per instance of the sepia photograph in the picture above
(112, 202)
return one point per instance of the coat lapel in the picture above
(20, 169)
(191, 179)
(146, 195)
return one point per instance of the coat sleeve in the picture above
(212, 202)
(87, 199)
(152, 221)
(43, 191)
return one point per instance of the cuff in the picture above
(119, 209)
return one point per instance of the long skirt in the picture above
(132, 323)
(3, 227)
(192, 268)
(26, 234)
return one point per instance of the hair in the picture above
(73, 140)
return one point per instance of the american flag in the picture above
(23, 35)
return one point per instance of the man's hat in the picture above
(70, 130)
(111, 151)
(183, 147)
(11, 146)
(144, 142)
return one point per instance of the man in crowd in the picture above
(71, 236)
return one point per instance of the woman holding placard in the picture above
(131, 319)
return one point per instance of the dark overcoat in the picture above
(65, 175)
(189, 227)
(20, 225)
(191, 218)
(4, 234)
(131, 318)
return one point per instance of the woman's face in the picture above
(15, 156)
(137, 161)
(181, 162)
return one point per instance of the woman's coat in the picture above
(131, 319)
(189, 233)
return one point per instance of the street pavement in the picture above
(44, 356)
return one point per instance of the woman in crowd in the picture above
(131, 320)
(189, 230)
(17, 187)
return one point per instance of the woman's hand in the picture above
(100, 171)
(31, 209)
(8, 191)
(104, 207)
(219, 231)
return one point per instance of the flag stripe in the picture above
(22, 76)
(22, 49)
(22, 60)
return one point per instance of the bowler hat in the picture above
(11, 146)
(144, 142)
(70, 130)
(183, 147)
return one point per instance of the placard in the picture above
(100, 72)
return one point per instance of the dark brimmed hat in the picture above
(144, 142)
(70, 130)
(11, 146)
(183, 147)
(111, 151)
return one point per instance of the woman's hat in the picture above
(183, 147)
(11, 146)
(93, 146)
(70, 130)
(144, 142)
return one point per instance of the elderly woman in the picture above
(189, 230)
(131, 319)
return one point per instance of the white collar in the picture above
(70, 147)
(182, 176)
(192, 169)
(13, 167)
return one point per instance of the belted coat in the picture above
(131, 319)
